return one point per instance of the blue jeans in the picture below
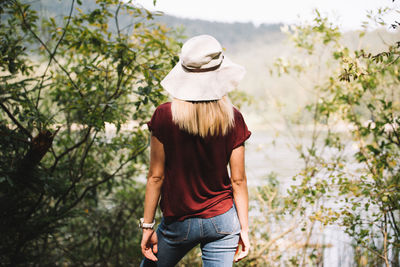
(218, 238)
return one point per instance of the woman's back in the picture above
(196, 166)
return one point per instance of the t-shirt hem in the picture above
(226, 205)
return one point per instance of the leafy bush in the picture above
(74, 96)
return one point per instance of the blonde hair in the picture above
(203, 118)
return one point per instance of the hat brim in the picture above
(203, 86)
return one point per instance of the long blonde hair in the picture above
(204, 118)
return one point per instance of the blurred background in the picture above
(80, 79)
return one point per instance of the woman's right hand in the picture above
(245, 244)
(149, 244)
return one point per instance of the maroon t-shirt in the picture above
(196, 183)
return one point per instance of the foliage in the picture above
(279, 233)
(74, 96)
(355, 108)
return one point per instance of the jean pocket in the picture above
(227, 223)
(175, 231)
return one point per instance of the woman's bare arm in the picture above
(155, 180)
(241, 197)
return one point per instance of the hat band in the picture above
(203, 70)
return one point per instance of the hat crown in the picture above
(203, 72)
(202, 51)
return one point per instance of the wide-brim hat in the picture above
(203, 72)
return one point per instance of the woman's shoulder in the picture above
(164, 107)
(160, 120)
(237, 114)
(163, 113)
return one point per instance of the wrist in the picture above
(146, 225)
(147, 230)
(245, 229)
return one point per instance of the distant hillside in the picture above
(229, 34)
(58, 8)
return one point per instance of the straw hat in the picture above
(203, 72)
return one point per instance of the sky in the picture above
(348, 14)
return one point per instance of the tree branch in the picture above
(54, 51)
(76, 179)
(109, 177)
(116, 20)
(70, 149)
(27, 26)
(22, 128)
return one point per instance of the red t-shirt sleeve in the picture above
(155, 125)
(241, 133)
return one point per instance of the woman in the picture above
(193, 140)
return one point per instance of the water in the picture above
(267, 153)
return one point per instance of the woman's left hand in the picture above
(245, 246)
(149, 244)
